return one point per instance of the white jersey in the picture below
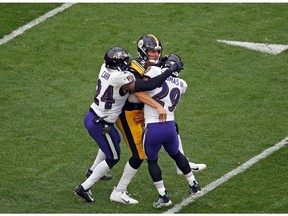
(168, 95)
(110, 98)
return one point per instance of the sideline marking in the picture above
(228, 175)
(273, 49)
(35, 22)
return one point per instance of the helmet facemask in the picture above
(153, 60)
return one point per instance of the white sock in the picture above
(100, 170)
(190, 178)
(99, 158)
(160, 187)
(126, 177)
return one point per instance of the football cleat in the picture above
(122, 197)
(104, 178)
(194, 188)
(194, 167)
(162, 201)
(84, 194)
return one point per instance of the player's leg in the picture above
(99, 158)
(108, 140)
(152, 145)
(172, 148)
(183, 165)
(194, 166)
(132, 134)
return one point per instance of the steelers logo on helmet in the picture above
(140, 43)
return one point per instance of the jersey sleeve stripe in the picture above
(138, 67)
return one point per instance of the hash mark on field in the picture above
(273, 49)
(229, 175)
(35, 22)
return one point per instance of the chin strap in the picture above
(153, 61)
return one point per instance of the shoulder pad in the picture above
(138, 65)
(122, 78)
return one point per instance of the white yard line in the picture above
(35, 22)
(229, 175)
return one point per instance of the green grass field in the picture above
(235, 107)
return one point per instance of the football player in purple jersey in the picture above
(114, 85)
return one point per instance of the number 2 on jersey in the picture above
(107, 96)
(174, 96)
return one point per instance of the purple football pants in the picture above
(107, 141)
(158, 134)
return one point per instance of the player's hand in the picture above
(175, 66)
(162, 113)
(139, 119)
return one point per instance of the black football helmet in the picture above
(146, 43)
(169, 60)
(116, 58)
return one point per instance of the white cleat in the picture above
(194, 167)
(122, 197)
(197, 167)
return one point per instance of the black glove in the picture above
(175, 66)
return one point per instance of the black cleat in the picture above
(104, 178)
(194, 188)
(84, 194)
(162, 201)
(88, 173)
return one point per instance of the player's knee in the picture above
(179, 158)
(152, 162)
(181, 162)
(111, 162)
(154, 170)
(135, 163)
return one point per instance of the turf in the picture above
(234, 108)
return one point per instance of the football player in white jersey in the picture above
(112, 90)
(131, 121)
(158, 133)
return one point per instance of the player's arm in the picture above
(145, 98)
(141, 85)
